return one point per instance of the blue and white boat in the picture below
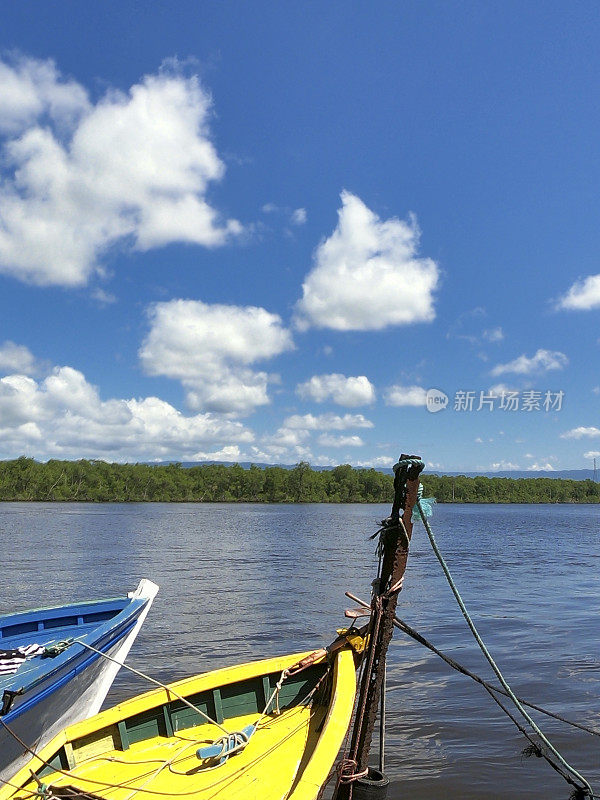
(67, 677)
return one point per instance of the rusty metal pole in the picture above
(396, 539)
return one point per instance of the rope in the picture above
(53, 650)
(418, 637)
(156, 683)
(274, 695)
(347, 771)
(344, 749)
(167, 764)
(243, 739)
(585, 786)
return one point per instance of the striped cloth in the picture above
(11, 660)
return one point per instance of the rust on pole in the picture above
(395, 535)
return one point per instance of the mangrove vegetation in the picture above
(98, 481)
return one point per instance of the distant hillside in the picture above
(565, 474)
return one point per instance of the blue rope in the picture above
(585, 785)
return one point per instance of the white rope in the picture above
(156, 683)
(274, 694)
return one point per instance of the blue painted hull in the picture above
(72, 686)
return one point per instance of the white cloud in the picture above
(287, 437)
(209, 349)
(350, 392)
(63, 416)
(499, 389)
(467, 327)
(299, 216)
(32, 89)
(582, 296)
(80, 178)
(581, 432)
(493, 335)
(592, 454)
(289, 443)
(367, 275)
(503, 466)
(542, 464)
(327, 422)
(379, 461)
(17, 358)
(285, 446)
(230, 452)
(103, 298)
(327, 440)
(405, 396)
(296, 216)
(542, 361)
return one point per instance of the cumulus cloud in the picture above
(17, 358)
(542, 361)
(328, 440)
(79, 178)
(367, 274)
(34, 89)
(210, 348)
(285, 446)
(350, 392)
(405, 396)
(582, 296)
(581, 432)
(63, 416)
(285, 437)
(327, 422)
(592, 454)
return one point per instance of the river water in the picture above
(240, 582)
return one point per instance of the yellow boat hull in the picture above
(146, 747)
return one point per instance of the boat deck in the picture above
(162, 767)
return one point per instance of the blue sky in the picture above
(264, 232)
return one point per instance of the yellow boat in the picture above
(265, 730)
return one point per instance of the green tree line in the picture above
(98, 481)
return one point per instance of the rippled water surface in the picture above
(240, 582)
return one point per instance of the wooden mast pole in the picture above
(396, 533)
